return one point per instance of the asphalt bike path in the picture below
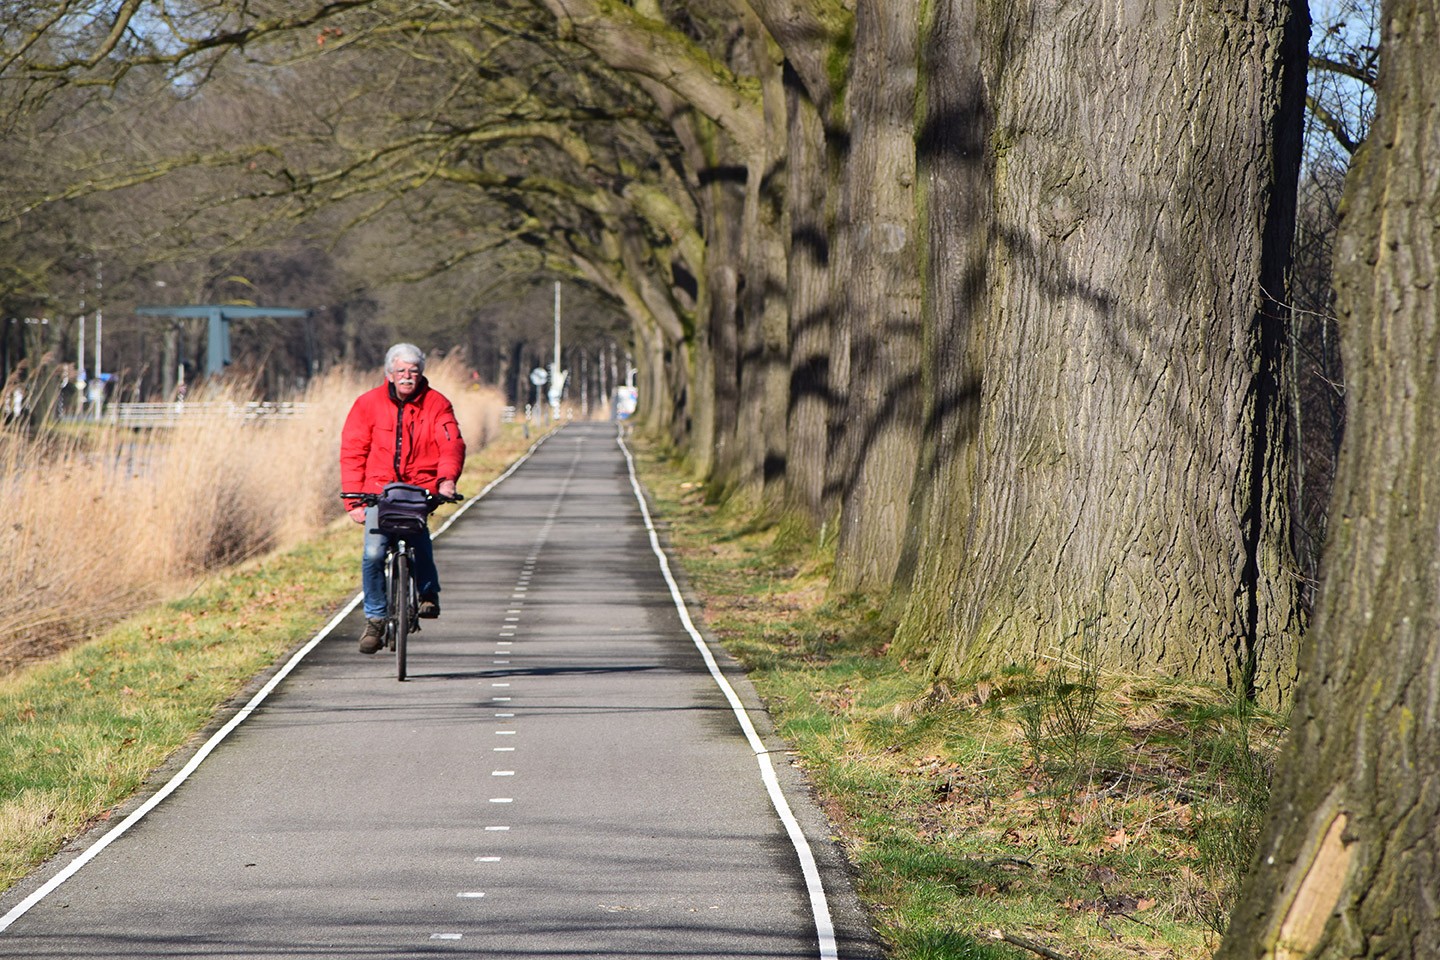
(570, 772)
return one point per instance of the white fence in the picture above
(146, 415)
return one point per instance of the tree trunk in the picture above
(958, 187)
(668, 383)
(1129, 485)
(700, 442)
(724, 201)
(764, 321)
(170, 361)
(877, 294)
(810, 315)
(657, 329)
(815, 36)
(1349, 866)
(635, 39)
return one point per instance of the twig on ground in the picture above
(1030, 945)
(1133, 919)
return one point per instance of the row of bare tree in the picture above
(136, 183)
(1002, 303)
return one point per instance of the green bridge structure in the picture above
(217, 344)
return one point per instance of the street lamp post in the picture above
(557, 376)
(99, 326)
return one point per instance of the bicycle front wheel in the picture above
(400, 611)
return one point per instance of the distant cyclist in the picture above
(402, 431)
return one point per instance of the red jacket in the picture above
(384, 440)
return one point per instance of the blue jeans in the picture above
(372, 566)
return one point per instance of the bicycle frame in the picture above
(401, 600)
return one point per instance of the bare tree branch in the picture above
(1335, 125)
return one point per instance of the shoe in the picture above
(429, 608)
(374, 636)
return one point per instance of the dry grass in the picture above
(99, 521)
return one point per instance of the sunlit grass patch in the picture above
(81, 732)
(1052, 806)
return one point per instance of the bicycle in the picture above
(401, 509)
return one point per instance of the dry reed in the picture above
(101, 520)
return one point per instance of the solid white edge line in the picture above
(155, 799)
(91, 852)
(819, 905)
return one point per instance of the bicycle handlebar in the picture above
(371, 499)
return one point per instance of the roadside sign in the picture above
(626, 400)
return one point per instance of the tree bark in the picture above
(631, 42)
(764, 319)
(635, 40)
(810, 316)
(815, 37)
(668, 381)
(1348, 866)
(1129, 484)
(702, 438)
(957, 184)
(877, 295)
(723, 192)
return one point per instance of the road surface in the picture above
(562, 777)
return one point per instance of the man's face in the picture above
(406, 377)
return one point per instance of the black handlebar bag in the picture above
(403, 508)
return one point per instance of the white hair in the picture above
(404, 351)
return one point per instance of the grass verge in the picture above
(81, 732)
(1054, 812)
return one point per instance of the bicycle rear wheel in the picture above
(400, 609)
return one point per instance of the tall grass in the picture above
(100, 520)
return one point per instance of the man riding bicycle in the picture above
(402, 431)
